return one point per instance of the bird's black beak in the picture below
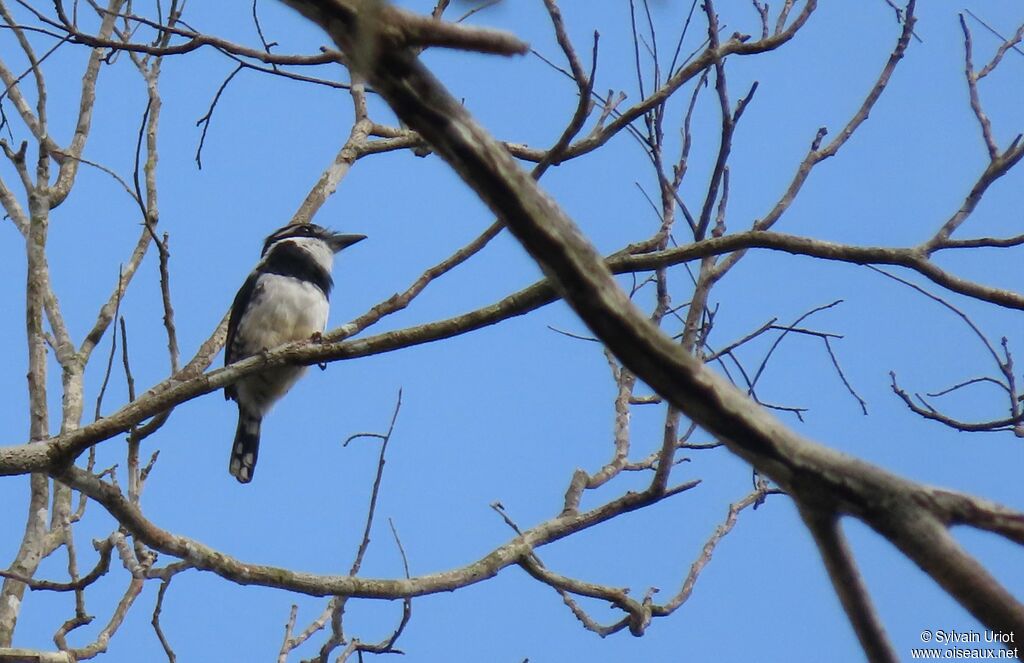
(337, 242)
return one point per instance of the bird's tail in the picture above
(246, 447)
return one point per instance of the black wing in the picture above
(242, 300)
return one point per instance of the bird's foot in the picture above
(318, 337)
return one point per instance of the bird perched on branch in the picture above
(284, 299)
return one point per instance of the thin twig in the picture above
(113, 348)
(155, 621)
(205, 120)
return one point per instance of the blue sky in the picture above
(507, 413)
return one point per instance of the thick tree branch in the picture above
(806, 470)
(205, 558)
(189, 384)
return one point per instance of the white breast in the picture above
(283, 309)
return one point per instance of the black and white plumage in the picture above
(285, 298)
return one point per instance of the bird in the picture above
(285, 298)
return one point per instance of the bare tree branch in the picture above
(665, 347)
(848, 584)
(803, 468)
